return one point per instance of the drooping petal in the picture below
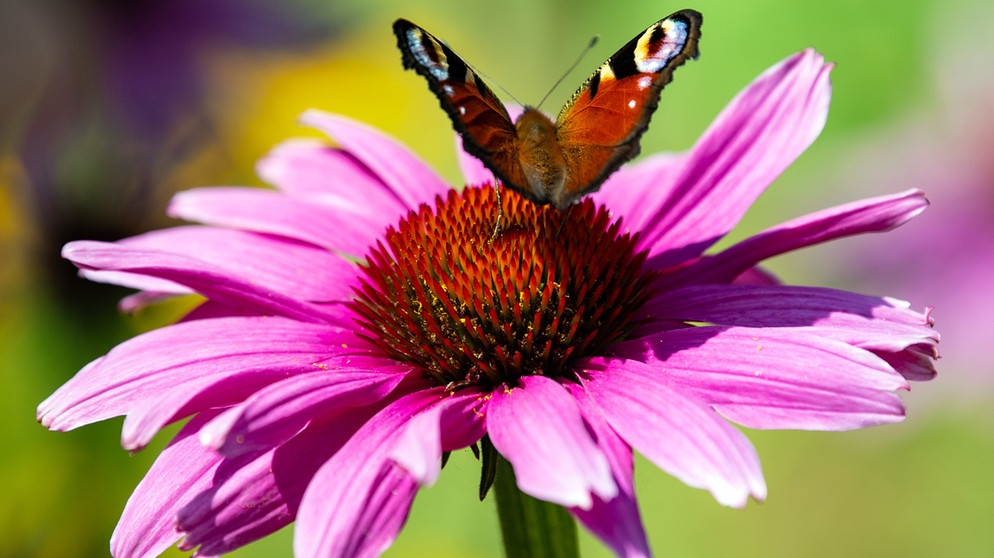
(870, 215)
(241, 504)
(678, 432)
(419, 449)
(254, 495)
(407, 176)
(754, 139)
(236, 355)
(330, 226)
(615, 521)
(449, 425)
(311, 170)
(214, 282)
(184, 468)
(768, 377)
(277, 412)
(553, 460)
(916, 363)
(359, 499)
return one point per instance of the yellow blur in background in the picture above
(87, 153)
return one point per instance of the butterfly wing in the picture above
(476, 113)
(599, 129)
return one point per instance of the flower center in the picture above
(471, 307)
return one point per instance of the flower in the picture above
(326, 392)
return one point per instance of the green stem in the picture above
(531, 528)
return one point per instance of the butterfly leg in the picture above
(500, 211)
(563, 222)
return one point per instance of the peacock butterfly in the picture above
(595, 133)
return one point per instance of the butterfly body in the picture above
(542, 162)
(596, 132)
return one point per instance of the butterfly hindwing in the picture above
(476, 113)
(599, 129)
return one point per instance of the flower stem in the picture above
(531, 528)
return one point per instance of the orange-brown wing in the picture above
(476, 113)
(599, 129)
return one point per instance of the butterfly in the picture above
(596, 132)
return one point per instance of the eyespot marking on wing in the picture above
(660, 44)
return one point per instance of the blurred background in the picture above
(107, 107)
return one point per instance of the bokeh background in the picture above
(109, 106)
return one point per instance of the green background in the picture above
(924, 487)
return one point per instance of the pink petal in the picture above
(758, 135)
(210, 309)
(191, 395)
(916, 362)
(757, 276)
(538, 428)
(159, 289)
(338, 313)
(183, 469)
(864, 321)
(419, 449)
(616, 521)
(359, 499)
(634, 192)
(870, 215)
(254, 495)
(265, 211)
(279, 411)
(236, 354)
(313, 171)
(678, 432)
(136, 301)
(215, 282)
(293, 268)
(454, 423)
(473, 171)
(240, 504)
(768, 377)
(198, 393)
(407, 176)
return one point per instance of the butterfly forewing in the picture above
(596, 132)
(476, 113)
(599, 129)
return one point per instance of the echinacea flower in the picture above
(324, 391)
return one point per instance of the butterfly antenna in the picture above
(489, 79)
(590, 45)
(498, 84)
